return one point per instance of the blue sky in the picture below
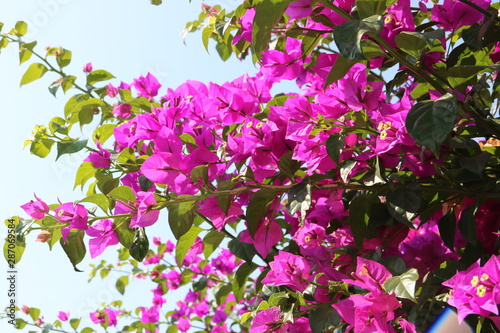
(128, 38)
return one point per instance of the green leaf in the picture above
(34, 313)
(171, 328)
(74, 247)
(222, 293)
(367, 8)
(275, 299)
(258, 208)
(15, 244)
(371, 49)
(476, 164)
(70, 147)
(359, 215)
(87, 104)
(181, 217)
(403, 204)
(287, 165)
(64, 58)
(467, 223)
(211, 242)
(99, 199)
(99, 75)
(403, 285)
(58, 125)
(41, 147)
(395, 264)
(3, 43)
(299, 199)
(205, 36)
(267, 14)
(347, 39)
(25, 51)
(185, 242)
(240, 279)
(87, 330)
(103, 132)
(412, 43)
(34, 72)
(140, 245)
(242, 250)
(83, 174)
(125, 234)
(334, 146)
(469, 70)
(224, 51)
(198, 173)
(122, 193)
(447, 226)
(68, 82)
(340, 68)
(225, 200)
(21, 28)
(74, 322)
(20, 323)
(121, 283)
(430, 122)
(156, 3)
(348, 35)
(323, 317)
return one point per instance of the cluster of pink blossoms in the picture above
(199, 136)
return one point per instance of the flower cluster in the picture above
(347, 205)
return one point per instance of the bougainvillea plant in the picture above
(367, 201)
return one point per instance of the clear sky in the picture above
(126, 37)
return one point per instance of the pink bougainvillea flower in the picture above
(245, 22)
(288, 270)
(40, 321)
(453, 14)
(122, 110)
(111, 90)
(369, 275)
(74, 214)
(183, 324)
(87, 68)
(146, 215)
(299, 9)
(283, 65)
(211, 209)
(299, 325)
(43, 237)
(368, 313)
(267, 321)
(150, 315)
(268, 233)
(147, 86)
(173, 279)
(309, 236)
(125, 135)
(225, 262)
(495, 54)
(63, 316)
(36, 209)
(476, 290)
(106, 317)
(104, 236)
(101, 158)
(398, 19)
